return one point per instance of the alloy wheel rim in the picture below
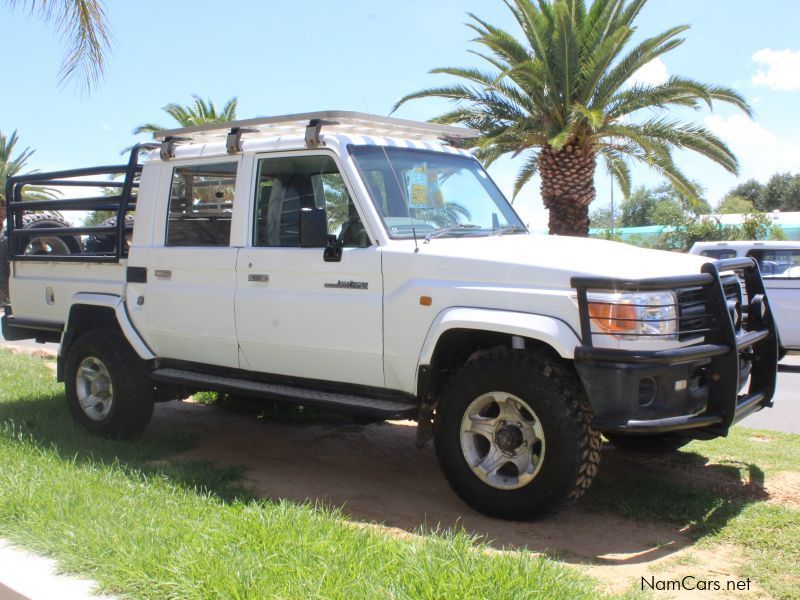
(502, 440)
(94, 389)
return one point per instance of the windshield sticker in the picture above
(418, 181)
(424, 190)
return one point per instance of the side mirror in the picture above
(313, 228)
(333, 250)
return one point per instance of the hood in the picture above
(561, 256)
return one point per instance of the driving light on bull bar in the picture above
(629, 315)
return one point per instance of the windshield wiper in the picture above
(443, 230)
(509, 229)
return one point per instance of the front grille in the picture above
(694, 317)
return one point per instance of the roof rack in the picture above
(309, 125)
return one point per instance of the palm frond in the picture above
(526, 173)
(84, 25)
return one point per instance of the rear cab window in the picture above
(201, 204)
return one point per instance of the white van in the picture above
(779, 262)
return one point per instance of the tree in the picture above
(791, 198)
(774, 192)
(601, 217)
(201, 112)
(84, 24)
(749, 190)
(735, 205)
(660, 205)
(564, 95)
(10, 166)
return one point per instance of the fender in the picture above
(553, 332)
(117, 304)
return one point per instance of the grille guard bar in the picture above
(721, 348)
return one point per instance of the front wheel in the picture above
(515, 439)
(107, 386)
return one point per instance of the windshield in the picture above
(433, 191)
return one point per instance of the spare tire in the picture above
(56, 245)
(107, 242)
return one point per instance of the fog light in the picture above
(647, 391)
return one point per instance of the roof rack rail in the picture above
(309, 124)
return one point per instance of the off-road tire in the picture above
(553, 391)
(32, 220)
(132, 404)
(46, 220)
(106, 243)
(660, 443)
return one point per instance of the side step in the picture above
(355, 404)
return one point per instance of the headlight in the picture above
(628, 315)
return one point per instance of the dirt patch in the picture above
(784, 488)
(374, 475)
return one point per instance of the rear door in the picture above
(296, 314)
(780, 268)
(188, 300)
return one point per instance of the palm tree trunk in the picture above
(568, 187)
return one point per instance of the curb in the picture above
(26, 576)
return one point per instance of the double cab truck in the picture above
(371, 265)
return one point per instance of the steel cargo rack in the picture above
(120, 204)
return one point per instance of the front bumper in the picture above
(694, 389)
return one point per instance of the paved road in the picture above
(783, 416)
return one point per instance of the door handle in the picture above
(258, 277)
(164, 273)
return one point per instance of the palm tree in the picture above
(201, 112)
(13, 166)
(84, 24)
(563, 95)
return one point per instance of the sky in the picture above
(282, 57)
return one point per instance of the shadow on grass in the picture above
(683, 488)
(46, 422)
(240, 449)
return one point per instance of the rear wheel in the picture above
(514, 437)
(107, 386)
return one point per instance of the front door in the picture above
(296, 314)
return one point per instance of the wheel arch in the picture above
(97, 311)
(474, 327)
(459, 334)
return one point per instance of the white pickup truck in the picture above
(779, 263)
(367, 264)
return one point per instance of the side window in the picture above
(201, 204)
(781, 263)
(286, 186)
(719, 254)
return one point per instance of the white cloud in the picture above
(761, 152)
(780, 71)
(653, 73)
(739, 130)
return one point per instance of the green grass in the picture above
(768, 535)
(122, 514)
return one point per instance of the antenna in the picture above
(400, 187)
